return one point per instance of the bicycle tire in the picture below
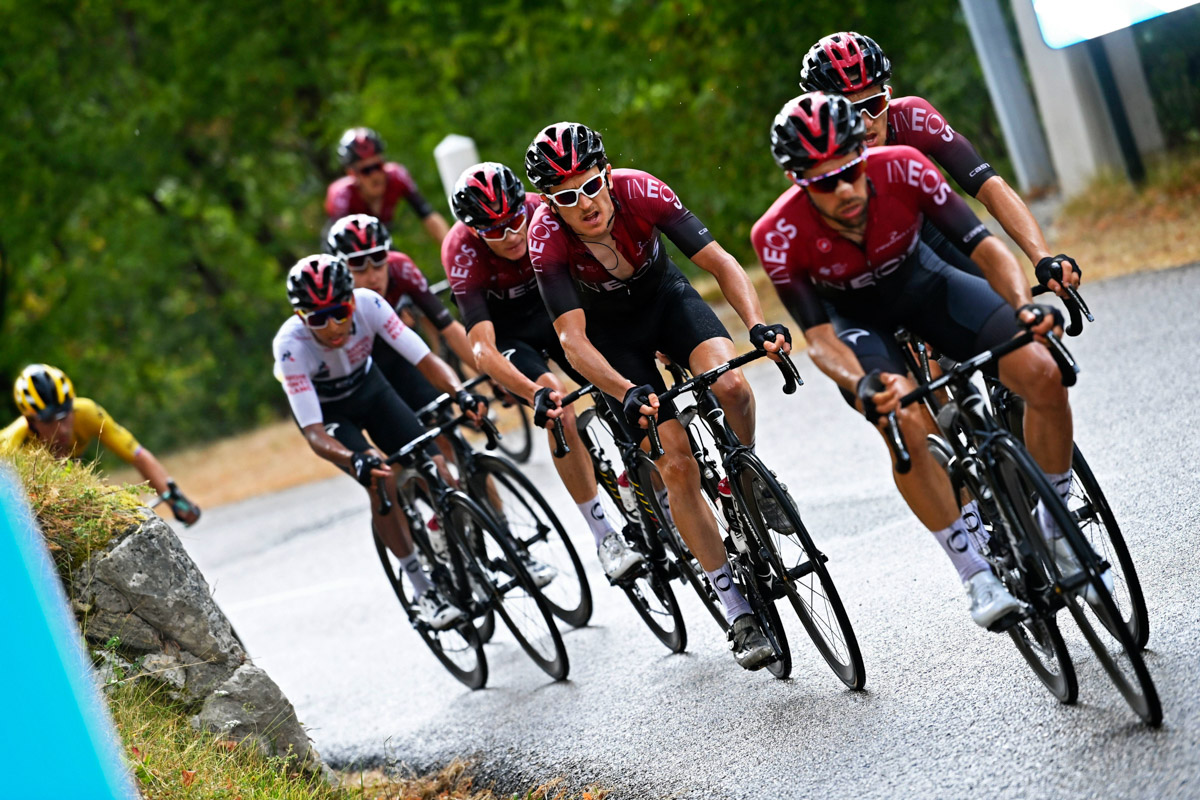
(664, 617)
(459, 649)
(1037, 636)
(807, 584)
(413, 488)
(538, 530)
(1096, 521)
(1125, 668)
(509, 589)
(767, 615)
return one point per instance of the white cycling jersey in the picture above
(313, 374)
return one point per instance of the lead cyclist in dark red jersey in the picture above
(486, 258)
(851, 64)
(843, 250)
(616, 299)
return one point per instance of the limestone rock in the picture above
(250, 706)
(163, 586)
(132, 630)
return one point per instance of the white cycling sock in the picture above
(974, 523)
(958, 545)
(412, 569)
(597, 521)
(1062, 484)
(731, 598)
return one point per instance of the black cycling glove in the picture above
(467, 401)
(362, 464)
(1040, 310)
(181, 507)
(541, 404)
(760, 334)
(635, 398)
(868, 386)
(1051, 268)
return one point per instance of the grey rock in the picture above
(132, 630)
(151, 569)
(112, 669)
(250, 707)
(164, 668)
(204, 677)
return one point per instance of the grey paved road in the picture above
(949, 711)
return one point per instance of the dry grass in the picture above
(171, 761)
(77, 511)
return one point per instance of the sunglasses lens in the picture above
(356, 262)
(593, 187)
(497, 232)
(369, 169)
(874, 105)
(339, 313)
(829, 183)
(567, 197)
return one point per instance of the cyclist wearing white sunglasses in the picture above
(616, 299)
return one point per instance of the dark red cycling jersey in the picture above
(916, 123)
(486, 285)
(570, 277)
(342, 196)
(405, 279)
(806, 259)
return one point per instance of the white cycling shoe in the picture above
(990, 601)
(436, 612)
(616, 556)
(541, 572)
(1068, 565)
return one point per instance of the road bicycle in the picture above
(986, 462)
(772, 554)
(474, 564)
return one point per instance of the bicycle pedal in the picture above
(1007, 621)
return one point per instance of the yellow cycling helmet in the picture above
(44, 392)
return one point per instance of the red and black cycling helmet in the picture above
(487, 193)
(319, 281)
(356, 235)
(815, 127)
(561, 151)
(358, 144)
(844, 62)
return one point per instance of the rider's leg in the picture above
(575, 469)
(1049, 428)
(732, 390)
(393, 530)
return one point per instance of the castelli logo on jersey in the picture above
(824, 245)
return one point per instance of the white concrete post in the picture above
(453, 155)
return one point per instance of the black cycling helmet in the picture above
(358, 144)
(815, 127)
(562, 150)
(319, 281)
(844, 62)
(44, 392)
(487, 193)
(357, 235)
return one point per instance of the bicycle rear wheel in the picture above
(1115, 648)
(799, 568)
(459, 648)
(651, 595)
(763, 608)
(536, 530)
(502, 579)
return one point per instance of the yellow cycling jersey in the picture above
(91, 422)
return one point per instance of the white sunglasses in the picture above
(569, 198)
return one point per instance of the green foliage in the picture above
(164, 163)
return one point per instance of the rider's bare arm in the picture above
(332, 450)
(571, 328)
(151, 469)
(456, 337)
(488, 359)
(436, 227)
(1003, 203)
(1002, 271)
(732, 279)
(438, 373)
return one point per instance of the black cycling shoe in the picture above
(750, 648)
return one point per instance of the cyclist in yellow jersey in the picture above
(67, 425)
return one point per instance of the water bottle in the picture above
(628, 496)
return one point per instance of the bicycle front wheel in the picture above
(537, 533)
(501, 577)
(1115, 649)
(799, 567)
(459, 648)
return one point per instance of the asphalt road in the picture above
(949, 710)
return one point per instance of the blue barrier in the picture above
(56, 738)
